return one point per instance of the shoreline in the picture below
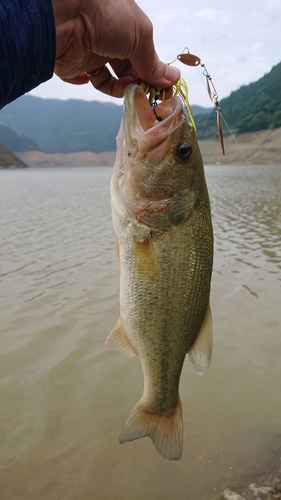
(263, 484)
(262, 147)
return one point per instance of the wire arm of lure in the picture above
(192, 60)
(214, 98)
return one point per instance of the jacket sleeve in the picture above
(27, 46)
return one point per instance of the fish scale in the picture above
(164, 242)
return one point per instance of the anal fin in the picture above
(200, 354)
(118, 341)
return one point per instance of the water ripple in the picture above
(246, 214)
(64, 397)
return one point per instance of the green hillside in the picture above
(252, 107)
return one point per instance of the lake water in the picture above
(64, 397)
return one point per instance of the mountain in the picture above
(56, 126)
(252, 107)
(63, 126)
(199, 110)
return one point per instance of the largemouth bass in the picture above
(164, 243)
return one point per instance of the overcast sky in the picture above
(238, 41)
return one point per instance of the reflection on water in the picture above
(64, 398)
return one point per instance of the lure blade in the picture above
(220, 133)
(209, 88)
(189, 59)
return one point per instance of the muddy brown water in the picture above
(64, 397)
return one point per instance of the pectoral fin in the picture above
(118, 341)
(146, 261)
(200, 353)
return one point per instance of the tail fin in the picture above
(165, 431)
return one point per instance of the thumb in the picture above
(160, 74)
(148, 65)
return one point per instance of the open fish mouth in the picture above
(146, 125)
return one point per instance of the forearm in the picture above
(27, 46)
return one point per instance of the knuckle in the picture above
(147, 28)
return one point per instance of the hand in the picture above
(91, 33)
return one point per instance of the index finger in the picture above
(105, 82)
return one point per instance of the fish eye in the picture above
(184, 151)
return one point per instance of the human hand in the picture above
(91, 33)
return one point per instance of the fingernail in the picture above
(172, 74)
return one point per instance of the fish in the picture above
(164, 243)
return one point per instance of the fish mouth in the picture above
(146, 126)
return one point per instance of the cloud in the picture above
(218, 16)
(209, 14)
(273, 5)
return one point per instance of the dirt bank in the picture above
(81, 159)
(262, 147)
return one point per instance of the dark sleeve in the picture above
(27, 46)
